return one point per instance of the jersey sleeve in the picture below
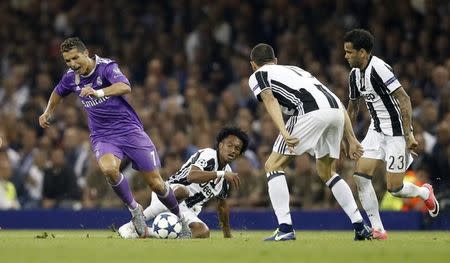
(354, 92)
(258, 82)
(113, 74)
(206, 160)
(63, 88)
(387, 76)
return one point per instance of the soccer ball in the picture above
(167, 226)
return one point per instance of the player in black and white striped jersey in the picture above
(389, 140)
(316, 125)
(205, 175)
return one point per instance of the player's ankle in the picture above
(285, 228)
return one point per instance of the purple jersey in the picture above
(110, 116)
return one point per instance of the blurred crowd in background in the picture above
(188, 62)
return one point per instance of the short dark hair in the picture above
(227, 131)
(262, 53)
(360, 38)
(71, 43)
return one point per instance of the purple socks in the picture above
(169, 200)
(123, 191)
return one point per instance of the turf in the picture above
(246, 246)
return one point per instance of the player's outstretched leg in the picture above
(343, 195)
(431, 202)
(399, 188)
(109, 164)
(128, 231)
(122, 189)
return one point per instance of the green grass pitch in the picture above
(31, 246)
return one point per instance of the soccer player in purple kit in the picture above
(115, 129)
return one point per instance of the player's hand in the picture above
(411, 143)
(354, 149)
(88, 91)
(233, 179)
(44, 120)
(291, 142)
(344, 147)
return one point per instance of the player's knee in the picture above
(181, 193)
(157, 186)
(394, 187)
(395, 190)
(270, 166)
(111, 172)
(199, 230)
(394, 182)
(155, 182)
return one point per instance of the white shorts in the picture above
(391, 149)
(320, 133)
(190, 214)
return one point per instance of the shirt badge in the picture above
(99, 81)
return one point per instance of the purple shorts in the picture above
(138, 147)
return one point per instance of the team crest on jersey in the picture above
(117, 71)
(99, 81)
(202, 162)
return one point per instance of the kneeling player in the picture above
(205, 175)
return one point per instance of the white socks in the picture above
(279, 196)
(368, 199)
(344, 197)
(155, 208)
(411, 190)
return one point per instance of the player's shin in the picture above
(279, 196)
(169, 200)
(123, 191)
(368, 199)
(410, 190)
(344, 197)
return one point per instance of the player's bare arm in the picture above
(115, 89)
(196, 175)
(224, 217)
(44, 119)
(353, 148)
(353, 109)
(406, 113)
(273, 108)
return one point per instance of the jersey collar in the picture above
(368, 62)
(92, 71)
(219, 168)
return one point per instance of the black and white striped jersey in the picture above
(207, 160)
(376, 83)
(297, 91)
